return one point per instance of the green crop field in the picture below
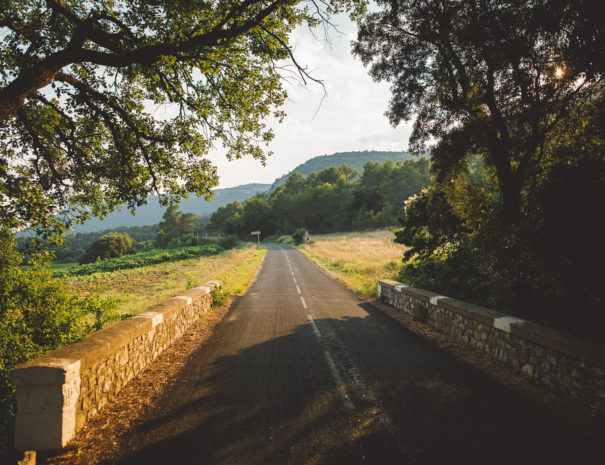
(137, 261)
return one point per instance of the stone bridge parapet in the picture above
(58, 392)
(552, 358)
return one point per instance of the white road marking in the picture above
(298, 289)
(342, 390)
(314, 326)
(352, 373)
(302, 299)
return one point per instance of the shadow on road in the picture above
(275, 402)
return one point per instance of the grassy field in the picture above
(358, 260)
(138, 289)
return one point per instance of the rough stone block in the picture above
(505, 323)
(46, 413)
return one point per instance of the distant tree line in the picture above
(335, 199)
(75, 245)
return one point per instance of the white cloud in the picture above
(350, 117)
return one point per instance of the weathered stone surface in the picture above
(552, 358)
(46, 412)
(57, 393)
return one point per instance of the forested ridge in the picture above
(334, 199)
(355, 160)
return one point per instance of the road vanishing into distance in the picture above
(301, 372)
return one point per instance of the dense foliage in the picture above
(103, 103)
(335, 199)
(111, 245)
(174, 226)
(37, 314)
(138, 260)
(354, 159)
(509, 97)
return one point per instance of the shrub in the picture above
(220, 298)
(298, 236)
(112, 245)
(37, 314)
(228, 242)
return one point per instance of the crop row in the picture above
(126, 262)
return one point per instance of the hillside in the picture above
(353, 159)
(151, 213)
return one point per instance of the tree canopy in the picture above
(110, 245)
(105, 102)
(509, 96)
(496, 78)
(334, 199)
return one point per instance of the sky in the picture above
(350, 118)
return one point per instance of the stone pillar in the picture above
(47, 394)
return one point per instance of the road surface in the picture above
(301, 372)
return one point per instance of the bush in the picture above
(220, 298)
(112, 245)
(228, 242)
(186, 240)
(37, 314)
(298, 236)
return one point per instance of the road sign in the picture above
(257, 234)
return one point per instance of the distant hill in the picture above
(353, 159)
(152, 211)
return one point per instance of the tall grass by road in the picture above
(357, 259)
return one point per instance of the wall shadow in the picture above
(276, 403)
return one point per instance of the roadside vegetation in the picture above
(44, 308)
(357, 259)
(137, 289)
(512, 109)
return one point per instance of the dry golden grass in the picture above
(358, 260)
(140, 288)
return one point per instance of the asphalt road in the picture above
(300, 372)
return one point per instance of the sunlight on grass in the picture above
(141, 288)
(358, 260)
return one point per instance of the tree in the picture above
(103, 103)
(256, 215)
(111, 245)
(495, 78)
(509, 97)
(176, 224)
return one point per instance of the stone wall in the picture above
(58, 392)
(551, 358)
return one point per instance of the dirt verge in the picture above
(99, 438)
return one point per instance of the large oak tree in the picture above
(490, 77)
(104, 102)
